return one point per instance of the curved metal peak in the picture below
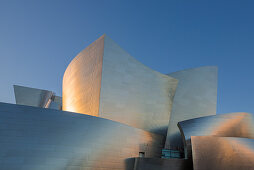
(194, 69)
(104, 80)
(106, 38)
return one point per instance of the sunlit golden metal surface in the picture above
(196, 96)
(224, 125)
(105, 81)
(33, 138)
(82, 80)
(222, 153)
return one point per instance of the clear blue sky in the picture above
(38, 39)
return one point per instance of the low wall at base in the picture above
(162, 164)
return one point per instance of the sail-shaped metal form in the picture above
(103, 80)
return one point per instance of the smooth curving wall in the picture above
(132, 93)
(46, 139)
(224, 125)
(110, 83)
(196, 96)
(222, 153)
(82, 80)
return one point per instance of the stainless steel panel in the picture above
(31, 96)
(105, 81)
(222, 153)
(196, 96)
(224, 125)
(82, 80)
(33, 138)
(132, 93)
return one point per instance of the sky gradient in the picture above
(38, 39)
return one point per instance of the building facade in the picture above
(116, 113)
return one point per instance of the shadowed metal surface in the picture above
(161, 164)
(36, 97)
(105, 81)
(46, 139)
(196, 96)
(222, 153)
(225, 125)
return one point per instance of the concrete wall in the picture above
(222, 153)
(196, 96)
(132, 93)
(82, 80)
(33, 138)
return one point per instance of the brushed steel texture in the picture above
(34, 138)
(105, 81)
(222, 153)
(196, 96)
(82, 80)
(238, 124)
(36, 97)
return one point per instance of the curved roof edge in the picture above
(194, 68)
(72, 114)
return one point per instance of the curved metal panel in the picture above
(82, 80)
(35, 138)
(33, 97)
(222, 153)
(224, 125)
(132, 93)
(196, 96)
(105, 81)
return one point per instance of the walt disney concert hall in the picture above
(117, 114)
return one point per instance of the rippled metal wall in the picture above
(33, 138)
(196, 96)
(222, 153)
(225, 125)
(118, 87)
(132, 93)
(82, 80)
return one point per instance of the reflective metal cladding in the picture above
(222, 153)
(82, 80)
(35, 138)
(196, 96)
(225, 125)
(126, 110)
(105, 81)
(37, 97)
